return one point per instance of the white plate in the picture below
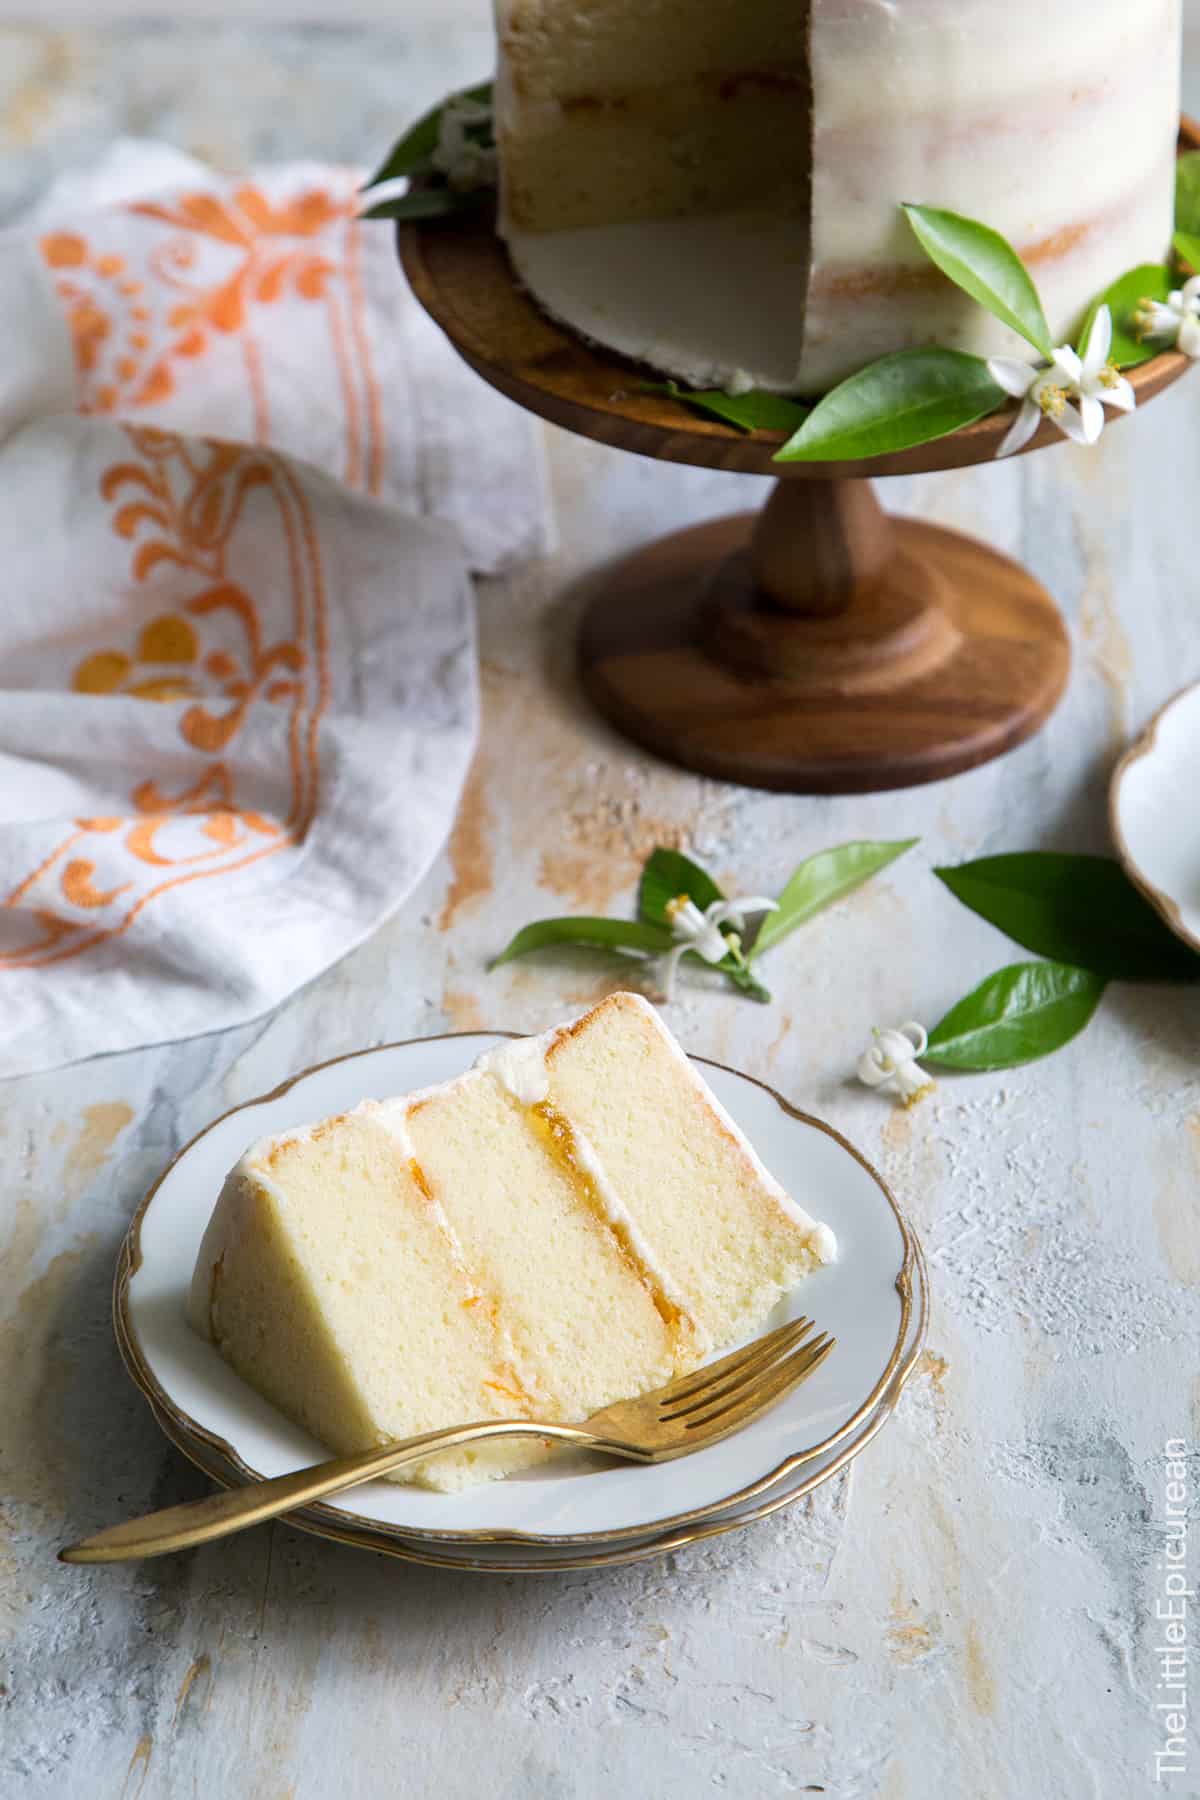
(1150, 809)
(865, 1299)
(540, 1559)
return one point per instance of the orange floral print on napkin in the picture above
(180, 504)
(237, 658)
(213, 267)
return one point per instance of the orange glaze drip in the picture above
(507, 1381)
(421, 1179)
(511, 1393)
(558, 1135)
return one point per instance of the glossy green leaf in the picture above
(410, 156)
(1187, 192)
(823, 880)
(1017, 1015)
(985, 265)
(910, 398)
(423, 203)
(667, 874)
(1152, 281)
(598, 934)
(755, 411)
(1081, 910)
(1187, 248)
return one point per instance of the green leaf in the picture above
(1082, 910)
(1152, 281)
(821, 881)
(1016, 1016)
(1187, 192)
(411, 155)
(667, 874)
(423, 203)
(755, 411)
(985, 265)
(909, 398)
(599, 934)
(749, 983)
(1187, 248)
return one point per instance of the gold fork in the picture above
(685, 1415)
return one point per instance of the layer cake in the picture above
(713, 186)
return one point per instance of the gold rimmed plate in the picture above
(1149, 811)
(805, 1474)
(866, 1299)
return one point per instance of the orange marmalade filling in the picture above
(506, 1381)
(557, 1134)
(421, 1179)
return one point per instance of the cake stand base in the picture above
(823, 647)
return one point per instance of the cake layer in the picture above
(733, 1240)
(296, 1285)
(587, 1323)
(600, 48)
(679, 150)
(569, 1224)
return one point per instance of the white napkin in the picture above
(237, 691)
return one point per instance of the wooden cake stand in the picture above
(820, 646)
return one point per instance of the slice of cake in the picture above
(570, 1223)
(714, 186)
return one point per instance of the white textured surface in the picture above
(968, 1613)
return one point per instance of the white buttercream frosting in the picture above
(673, 293)
(392, 1116)
(519, 1066)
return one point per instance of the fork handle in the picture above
(233, 1509)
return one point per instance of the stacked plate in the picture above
(575, 1512)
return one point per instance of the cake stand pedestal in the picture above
(817, 647)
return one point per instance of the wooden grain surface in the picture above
(949, 656)
(970, 1611)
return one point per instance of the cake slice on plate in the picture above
(571, 1222)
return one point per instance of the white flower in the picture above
(463, 162)
(1073, 390)
(1176, 321)
(701, 931)
(891, 1062)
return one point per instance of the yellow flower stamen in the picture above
(1053, 401)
